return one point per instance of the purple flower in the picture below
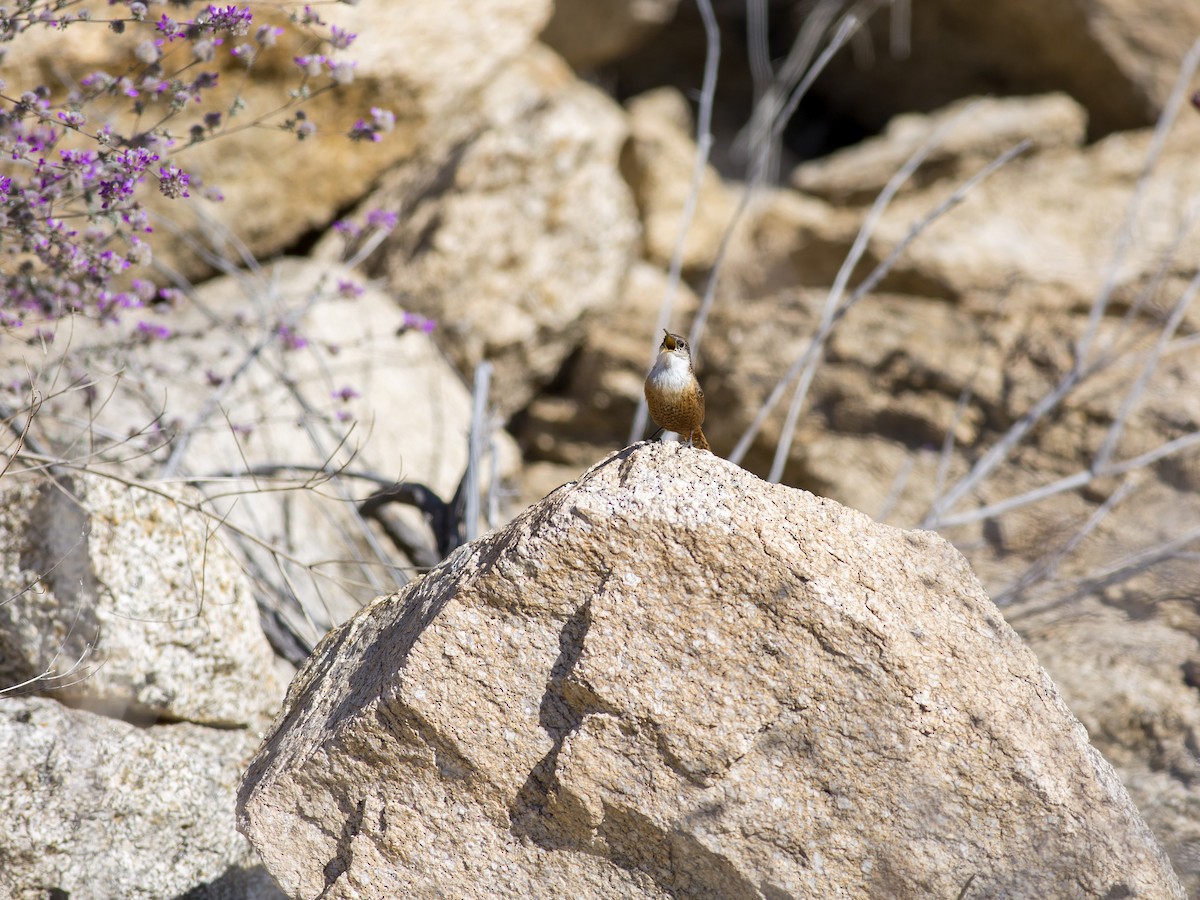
(133, 162)
(345, 394)
(349, 290)
(168, 28)
(265, 35)
(77, 159)
(153, 331)
(204, 81)
(291, 340)
(144, 289)
(413, 320)
(382, 219)
(116, 191)
(312, 64)
(229, 18)
(340, 37)
(149, 52)
(383, 119)
(173, 182)
(364, 132)
(99, 81)
(205, 50)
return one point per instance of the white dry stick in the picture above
(1134, 395)
(1135, 563)
(899, 483)
(245, 268)
(266, 289)
(761, 165)
(759, 138)
(960, 410)
(1187, 72)
(57, 681)
(759, 47)
(1070, 482)
(704, 141)
(477, 442)
(1047, 566)
(938, 515)
(852, 258)
(834, 312)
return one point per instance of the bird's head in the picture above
(674, 343)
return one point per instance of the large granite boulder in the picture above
(672, 679)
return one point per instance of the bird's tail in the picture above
(699, 441)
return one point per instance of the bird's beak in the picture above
(668, 342)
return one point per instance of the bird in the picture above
(673, 394)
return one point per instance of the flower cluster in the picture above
(382, 121)
(416, 321)
(75, 165)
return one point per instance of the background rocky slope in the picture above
(539, 169)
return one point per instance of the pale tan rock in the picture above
(658, 165)
(1054, 219)
(986, 304)
(95, 809)
(425, 60)
(441, 52)
(1133, 685)
(514, 229)
(671, 679)
(590, 33)
(974, 132)
(259, 413)
(129, 604)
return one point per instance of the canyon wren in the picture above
(673, 394)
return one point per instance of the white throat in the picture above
(671, 372)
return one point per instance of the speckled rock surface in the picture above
(95, 809)
(672, 679)
(514, 226)
(128, 604)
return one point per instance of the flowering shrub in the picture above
(74, 164)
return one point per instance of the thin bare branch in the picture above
(1187, 72)
(477, 441)
(761, 165)
(1134, 395)
(834, 313)
(1071, 482)
(1046, 566)
(704, 141)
